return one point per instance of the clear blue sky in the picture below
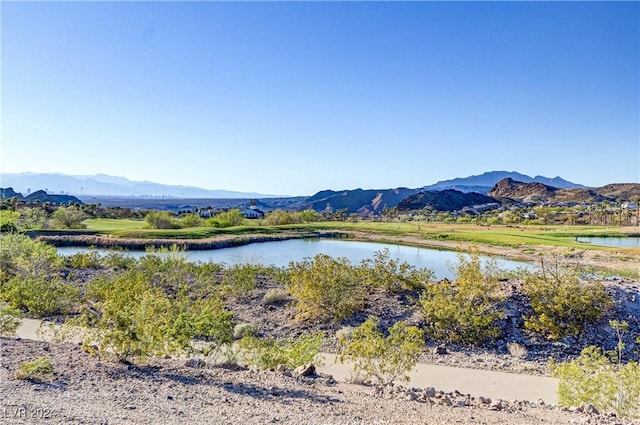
(292, 98)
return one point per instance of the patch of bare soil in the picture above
(85, 390)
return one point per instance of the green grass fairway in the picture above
(110, 224)
(494, 235)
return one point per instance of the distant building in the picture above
(253, 213)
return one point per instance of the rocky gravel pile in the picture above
(86, 390)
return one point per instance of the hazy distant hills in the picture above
(447, 195)
(105, 185)
(485, 182)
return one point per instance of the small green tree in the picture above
(159, 219)
(68, 218)
(32, 218)
(562, 305)
(466, 310)
(310, 216)
(383, 358)
(325, 288)
(233, 217)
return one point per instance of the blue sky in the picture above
(296, 97)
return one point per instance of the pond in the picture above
(625, 242)
(282, 252)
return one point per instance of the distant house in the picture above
(207, 212)
(253, 213)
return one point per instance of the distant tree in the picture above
(309, 216)
(69, 218)
(233, 217)
(159, 219)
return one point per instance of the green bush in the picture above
(383, 358)
(267, 353)
(239, 279)
(21, 256)
(9, 320)
(159, 219)
(384, 272)
(562, 305)
(325, 288)
(35, 369)
(593, 379)
(9, 220)
(129, 315)
(84, 260)
(466, 310)
(40, 295)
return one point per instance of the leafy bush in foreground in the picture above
(562, 305)
(325, 288)
(267, 353)
(384, 272)
(9, 320)
(133, 318)
(40, 295)
(466, 310)
(380, 357)
(593, 379)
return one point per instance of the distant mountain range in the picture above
(444, 195)
(105, 185)
(38, 195)
(485, 181)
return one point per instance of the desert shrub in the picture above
(384, 272)
(516, 350)
(84, 260)
(268, 353)
(275, 295)
(32, 218)
(9, 220)
(119, 260)
(344, 332)
(593, 379)
(325, 288)
(383, 358)
(40, 295)
(21, 256)
(562, 305)
(239, 279)
(466, 310)
(35, 369)
(9, 320)
(130, 316)
(243, 329)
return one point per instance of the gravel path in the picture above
(84, 390)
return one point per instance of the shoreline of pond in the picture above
(529, 253)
